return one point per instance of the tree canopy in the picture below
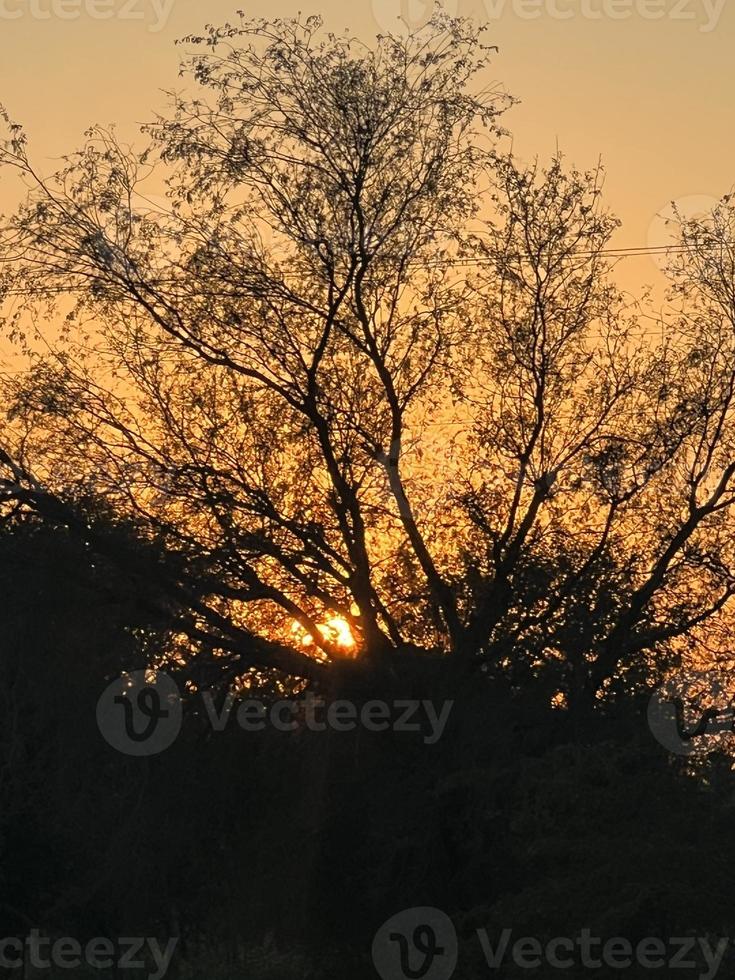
(367, 381)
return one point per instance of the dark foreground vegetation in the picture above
(278, 855)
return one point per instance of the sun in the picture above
(335, 628)
(341, 632)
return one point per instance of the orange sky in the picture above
(646, 84)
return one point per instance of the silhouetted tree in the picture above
(362, 364)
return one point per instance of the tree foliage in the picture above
(364, 367)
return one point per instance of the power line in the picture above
(639, 251)
(636, 251)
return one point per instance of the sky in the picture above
(645, 85)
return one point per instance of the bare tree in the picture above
(364, 373)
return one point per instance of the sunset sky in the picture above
(648, 85)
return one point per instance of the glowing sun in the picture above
(335, 628)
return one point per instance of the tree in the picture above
(364, 371)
